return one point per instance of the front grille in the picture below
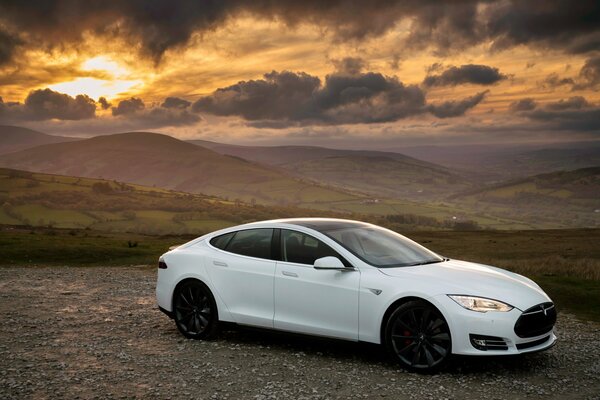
(521, 346)
(536, 320)
(482, 342)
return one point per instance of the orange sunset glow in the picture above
(466, 73)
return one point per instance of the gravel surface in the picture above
(96, 333)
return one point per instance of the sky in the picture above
(353, 74)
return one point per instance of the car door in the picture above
(307, 300)
(242, 268)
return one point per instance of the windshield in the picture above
(382, 248)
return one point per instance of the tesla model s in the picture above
(355, 281)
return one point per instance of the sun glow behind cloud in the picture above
(117, 80)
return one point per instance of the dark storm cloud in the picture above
(350, 65)
(128, 106)
(572, 114)
(104, 103)
(284, 95)
(572, 103)
(175, 102)
(174, 114)
(565, 24)
(45, 104)
(286, 98)
(470, 73)
(157, 26)
(589, 75)
(523, 105)
(456, 108)
(8, 44)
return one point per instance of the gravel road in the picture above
(96, 333)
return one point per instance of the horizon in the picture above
(404, 75)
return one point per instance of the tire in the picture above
(195, 310)
(417, 335)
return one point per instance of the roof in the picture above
(324, 224)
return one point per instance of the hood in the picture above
(462, 277)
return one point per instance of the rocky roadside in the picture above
(96, 333)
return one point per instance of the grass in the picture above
(40, 247)
(566, 263)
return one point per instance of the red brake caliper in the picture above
(407, 341)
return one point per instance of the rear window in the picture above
(250, 242)
(221, 242)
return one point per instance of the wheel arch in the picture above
(197, 279)
(397, 303)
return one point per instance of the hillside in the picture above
(14, 138)
(158, 160)
(71, 202)
(378, 173)
(571, 198)
(44, 200)
(496, 162)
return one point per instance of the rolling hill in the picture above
(159, 160)
(67, 202)
(494, 162)
(14, 138)
(569, 198)
(378, 173)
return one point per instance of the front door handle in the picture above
(292, 274)
(220, 263)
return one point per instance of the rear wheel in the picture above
(195, 310)
(418, 336)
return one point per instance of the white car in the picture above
(355, 281)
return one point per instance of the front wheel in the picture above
(195, 310)
(418, 336)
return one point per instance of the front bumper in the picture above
(464, 324)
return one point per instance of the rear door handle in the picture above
(292, 274)
(220, 263)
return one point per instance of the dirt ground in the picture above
(96, 333)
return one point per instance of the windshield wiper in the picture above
(426, 262)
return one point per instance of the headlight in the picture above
(480, 304)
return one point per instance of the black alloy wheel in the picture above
(418, 336)
(195, 311)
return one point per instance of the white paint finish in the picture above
(246, 286)
(320, 302)
(340, 304)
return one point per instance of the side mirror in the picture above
(331, 263)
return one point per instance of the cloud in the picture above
(559, 24)
(589, 75)
(156, 27)
(45, 104)
(175, 102)
(471, 73)
(350, 65)
(8, 45)
(523, 105)
(104, 103)
(456, 108)
(170, 113)
(129, 106)
(283, 99)
(572, 114)
(553, 80)
(572, 103)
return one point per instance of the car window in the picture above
(220, 242)
(300, 248)
(252, 243)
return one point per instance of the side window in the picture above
(220, 242)
(252, 243)
(300, 248)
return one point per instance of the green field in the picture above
(566, 263)
(44, 200)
